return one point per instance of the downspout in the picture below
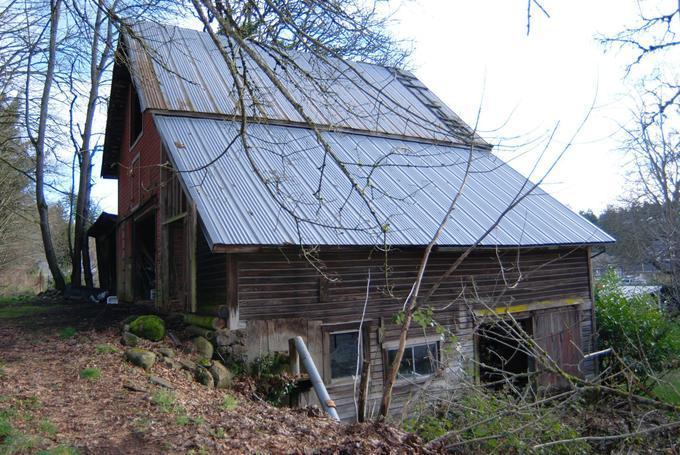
(315, 377)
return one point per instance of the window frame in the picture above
(410, 344)
(331, 329)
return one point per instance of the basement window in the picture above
(418, 359)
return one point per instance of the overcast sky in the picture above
(465, 49)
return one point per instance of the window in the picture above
(343, 348)
(135, 116)
(418, 360)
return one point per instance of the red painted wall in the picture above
(138, 183)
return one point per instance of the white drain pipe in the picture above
(315, 377)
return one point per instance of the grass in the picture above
(60, 450)
(164, 400)
(105, 349)
(47, 427)
(67, 332)
(13, 441)
(2, 370)
(91, 374)
(669, 390)
(229, 403)
(23, 306)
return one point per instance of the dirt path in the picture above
(48, 402)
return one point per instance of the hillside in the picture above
(66, 388)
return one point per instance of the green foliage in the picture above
(644, 336)
(91, 374)
(149, 327)
(105, 349)
(229, 403)
(494, 423)
(67, 332)
(668, 389)
(5, 427)
(272, 381)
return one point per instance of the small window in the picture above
(343, 353)
(418, 360)
(135, 116)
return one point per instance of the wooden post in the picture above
(293, 358)
(232, 292)
(163, 300)
(191, 230)
(363, 390)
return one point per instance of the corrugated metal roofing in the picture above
(254, 198)
(178, 69)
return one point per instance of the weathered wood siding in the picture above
(211, 275)
(279, 285)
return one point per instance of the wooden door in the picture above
(558, 333)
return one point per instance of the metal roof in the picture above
(254, 197)
(181, 70)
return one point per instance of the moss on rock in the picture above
(204, 349)
(150, 327)
(140, 357)
(204, 377)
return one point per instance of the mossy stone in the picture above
(221, 375)
(204, 348)
(140, 357)
(129, 339)
(150, 327)
(204, 377)
(167, 352)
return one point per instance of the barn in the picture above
(315, 226)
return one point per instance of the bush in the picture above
(645, 337)
(272, 381)
(494, 422)
(149, 327)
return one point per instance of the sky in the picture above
(477, 53)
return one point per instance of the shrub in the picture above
(150, 327)
(272, 381)
(645, 337)
(495, 422)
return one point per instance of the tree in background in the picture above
(648, 228)
(15, 197)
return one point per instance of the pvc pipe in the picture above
(315, 377)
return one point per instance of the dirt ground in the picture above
(65, 391)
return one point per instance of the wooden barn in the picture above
(273, 236)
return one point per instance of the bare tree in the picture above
(38, 140)
(97, 32)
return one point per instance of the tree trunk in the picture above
(97, 66)
(39, 145)
(87, 264)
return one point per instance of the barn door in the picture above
(177, 283)
(558, 333)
